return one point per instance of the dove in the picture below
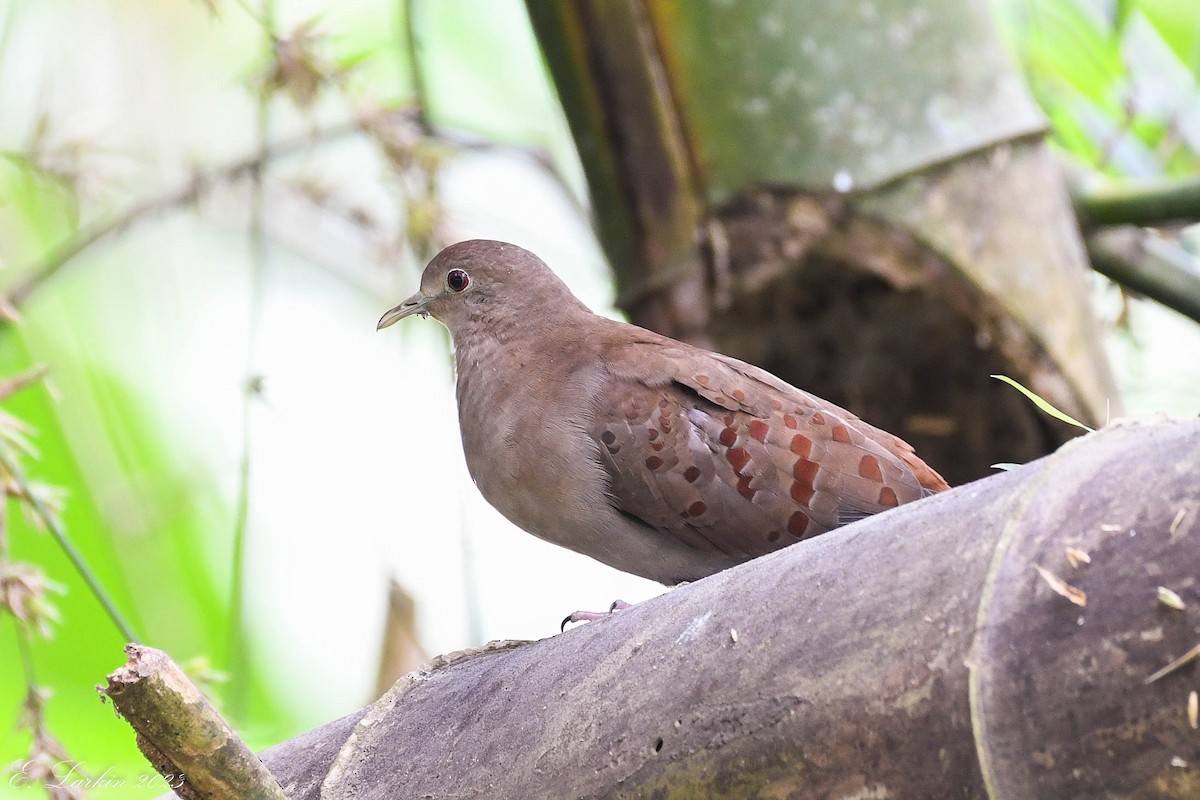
(648, 454)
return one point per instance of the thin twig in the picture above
(1176, 665)
(416, 70)
(199, 185)
(60, 536)
(26, 652)
(239, 656)
(205, 181)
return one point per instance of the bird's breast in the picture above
(525, 442)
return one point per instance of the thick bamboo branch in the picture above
(920, 653)
(617, 96)
(1138, 202)
(182, 735)
(1140, 260)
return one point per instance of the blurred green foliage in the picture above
(147, 500)
(1119, 80)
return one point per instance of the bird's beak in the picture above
(413, 305)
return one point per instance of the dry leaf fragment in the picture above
(1179, 515)
(10, 386)
(1179, 663)
(1194, 709)
(1170, 599)
(1076, 557)
(8, 311)
(1076, 596)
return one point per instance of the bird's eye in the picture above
(457, 280)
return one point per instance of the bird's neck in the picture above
(531, 330)
(500, 342)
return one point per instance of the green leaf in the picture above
(1042, 404)
(1178, 23)
(1063, 43)
(1121, 14)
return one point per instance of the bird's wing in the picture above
(729, 458)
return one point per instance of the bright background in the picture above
(355, 473)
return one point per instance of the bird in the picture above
(648, 454)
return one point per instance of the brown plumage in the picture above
(651, 455)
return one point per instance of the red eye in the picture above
(457, 280)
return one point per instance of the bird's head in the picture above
(484, 281)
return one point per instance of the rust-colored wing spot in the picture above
(697, 508)
(887, 497)
(805, 470)
(657, 446)
(789, 421)
(801, 445)
(652, 434)
(729, 419)
(759, 429)
(798, 524)
(666, 426)
(728, 437)
(841, 434)
(691, 473)
(743, 487)
(664, 402)
(869, 468)
(608, 437)
(778, 406)
(738, 457)
(773, 536)
(801, 492)
(702, 380)
(818, 418)
(653, 462)
(739, 395)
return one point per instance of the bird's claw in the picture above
(592, 616)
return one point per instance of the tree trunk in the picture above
(919, 653)
(854, 196)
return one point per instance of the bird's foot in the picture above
(592, 616)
